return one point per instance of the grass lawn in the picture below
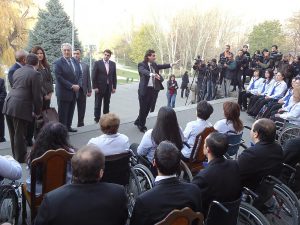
(129, 74)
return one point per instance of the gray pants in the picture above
(227, 83)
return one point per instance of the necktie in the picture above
(273, 90)
(252, 85)
(264, 87)
(71, 65)
(287, 99)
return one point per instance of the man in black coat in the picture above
(150, 83)
(20, 61)
(264, 158)
(168, 193)
(23, 102)
(2, 99)
(68, 82)
(184, 83)
(86, 200)
(220, 180)
(104, 79)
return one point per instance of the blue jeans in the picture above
(171, 100)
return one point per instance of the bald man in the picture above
(20, 61)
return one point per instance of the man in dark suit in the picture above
(2, 99)
(86, 200)
(22, 103)
(85, 89)
(220, 180)
(104, 79)
(168, 193)
(264, 158)
(68, 82)
(150, 83)
(20, 61)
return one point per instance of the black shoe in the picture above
(142, 129)
(233, 90)
(96, 120)
(72, 129)
(136, 123)
(2, 139)
(80, 125)
(29, 143)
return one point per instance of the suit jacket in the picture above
(261, 160)
(86, 78)
(219, 181)
(84, 204)
(100, 76)
(291, 152)
(144, 72)
(167, 195)
(2, 91)
(25, 96)
(65, 78)
(11, 72)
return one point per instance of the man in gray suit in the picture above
(85, 89)
(23, 102)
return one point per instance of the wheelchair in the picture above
(122, 169)
(286, 131)
(10, 204)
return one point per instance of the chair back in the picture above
(197, 155)
(234, 141)
(117, 169)
(185, 216)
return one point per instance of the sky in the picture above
(99, 21)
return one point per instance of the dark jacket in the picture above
(100, 76)
(185, 81)
(11, 72)
(86, 78)
(144, 72)
(82, 204)
(167, 195)
(25, 96)
(219, 181)
(259, 161)
(65, 78)
(47, 81)
(285, 68)
(172, 86)
(291, 152)
(230, 70)
(2, 91)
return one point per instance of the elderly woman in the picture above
(111, 142)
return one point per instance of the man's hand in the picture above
(157, 76)
(267, 97)
(48, 96)
(96, 90)
(75, 87)
(277, 115)
(89, 94)
(281, 110)
(113, 91)
(176, 62)
(280, 101)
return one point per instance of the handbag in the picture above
(47, 115)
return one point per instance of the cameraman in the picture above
(200, 69)
(267, 62)
(230, 73)
(275, 55)
(246, 71)
(212, 74)
(285, 68)
(241, 63)
(222, 60)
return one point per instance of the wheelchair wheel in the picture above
(133, 190)
(288, 133)
(282, 211)
(9, 205)
(144, 176)
(249, 215)
(184, 174)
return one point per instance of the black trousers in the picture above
(154, 101)
(2, 126)
(17, 131)
(259, 105)
(253, 100)
(99, 97)
(145, 102)
(81, 106)
(66, 111)
(243, 97)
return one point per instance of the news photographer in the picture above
(286, 68)
(222, 60)
(267, 62)
(241, 63)
(230, 72)
(275, 55)
(246, 71)
(200, 68)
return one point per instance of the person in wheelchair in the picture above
(220, 180)
(263, 159)
(165, 128)
(9, 168)
(168, 192)
(193, 128)
(86, 200)
(111, 142)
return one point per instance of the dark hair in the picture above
(77, 49)
(166, 127)
(172, 75)
(44, 61)
(275, 46)
(228, 46)
(109, 123)
(32, 59)
(108, 51)
(51, 137)
(217, 143)
(266, 130)
(167, 158)
(282, 74)
(148, 53)
(232, 113)
(270, 71)
(257, 52)
(244, 46)
(186, 73)
(86, 164)
(204, 110)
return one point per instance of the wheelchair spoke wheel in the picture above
(288, 133)
(282, 211)
(184, 174)
(133, 190)
(249, 215)
(9, 205)
(144, 177)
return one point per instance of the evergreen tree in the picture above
(53, 28)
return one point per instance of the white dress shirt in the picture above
(190, 132)
(111, 144)
(10, 168)
(257, 83)
(224, 126)
(152, 74)
(267, 87)
(277, 90)
(293, 114)
(159, 178)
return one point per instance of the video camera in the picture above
(198, 63)
(258, 58)
(276, 56)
